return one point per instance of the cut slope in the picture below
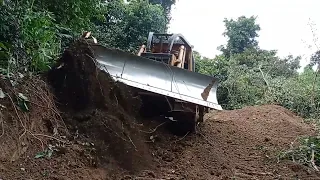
(99, 110)
(29, 121)
(103, 139)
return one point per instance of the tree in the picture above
(241, 34)
(74, 14)
(166, 4)
(41, 29)
(139, 18)
(205, 65)
(248, 74)
(315, 60)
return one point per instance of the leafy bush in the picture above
(10, 36)
(40, 39)
(300, 94)
(257, 77)
(308, 152)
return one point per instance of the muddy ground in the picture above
(77, 123)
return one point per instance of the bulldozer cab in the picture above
(171, 49)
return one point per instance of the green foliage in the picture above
(127, 25)
(253, 76)
(140, 18)
(74, 14)
(299, 94)
(246, 77)
(33, 33)
(241, 34)
(205, 65)
(214, 67)
(10, 35)
(244, 83)
(315, 59)
(4, 55)
(40, 39)
(166, 4)
(308, 152)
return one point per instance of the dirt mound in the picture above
(241, 144)
(99, 110)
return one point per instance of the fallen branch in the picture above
(130, 140)
(16, 111)
(181, 138)
(42, 144)
(260, 173)
(154, 130)
(116, 99)
(264, 78)
(114, 132)
(251, 171)
(204, 137)
(135, 147)
(50, 137)
(312, 161)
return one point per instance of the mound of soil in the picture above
(240, 144)
(99, 110)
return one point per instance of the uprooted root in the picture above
(26, 106)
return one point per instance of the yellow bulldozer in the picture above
(163, 71)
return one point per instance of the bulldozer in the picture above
(163, 72)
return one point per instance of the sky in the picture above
(285, 24)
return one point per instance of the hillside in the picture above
(80, 124)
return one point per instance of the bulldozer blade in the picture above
(158, 77)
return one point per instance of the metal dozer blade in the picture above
(164, 73)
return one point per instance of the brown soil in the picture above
(99, 135)
(242, 144)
